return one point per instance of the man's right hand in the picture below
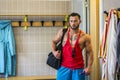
(57, 54)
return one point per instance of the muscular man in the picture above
(74, 41)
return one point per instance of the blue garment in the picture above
(7, 49)
(118, 44)
(70, 74)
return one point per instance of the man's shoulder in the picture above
(85, 35)
(61, 31)
(82, 33)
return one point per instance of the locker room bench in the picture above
(30, 78)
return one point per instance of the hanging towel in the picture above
(7, 49)
(111, 57)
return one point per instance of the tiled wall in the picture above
(33, 45)
(32, 48)
(35, 7)
(109, 4)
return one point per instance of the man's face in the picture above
(74, 22)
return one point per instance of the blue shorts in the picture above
(70, 74)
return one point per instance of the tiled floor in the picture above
(30, 78)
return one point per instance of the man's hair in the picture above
(74, 14)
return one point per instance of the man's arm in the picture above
(89, 50)
(55, 40)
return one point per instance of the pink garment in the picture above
(103, 44)
(102, 52)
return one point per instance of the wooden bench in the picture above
(30, 78)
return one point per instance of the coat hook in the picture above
(31, 23)
(53, 23)
(25, 20)
(20, 23)
(42, 22)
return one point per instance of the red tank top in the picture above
(67, 59)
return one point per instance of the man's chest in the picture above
(72, 40)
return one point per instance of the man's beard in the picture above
(75, 28)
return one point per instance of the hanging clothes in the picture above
(103, 54)
(103, 47)
(111, 58)
(103, 43)
(7, 49)
(118, 44)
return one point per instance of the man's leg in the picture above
(78, 74)
(64, 74)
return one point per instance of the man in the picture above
(74, 41)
